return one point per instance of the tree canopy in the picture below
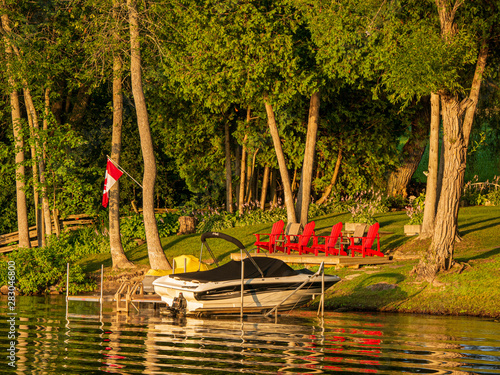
(218, 76)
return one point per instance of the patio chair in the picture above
(276, 233)
(303, 240)
(330, 242)
(366, 243)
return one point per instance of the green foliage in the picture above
(7, 195)
(397, 202)
(494, 197)
(477, 193)
(168, 224)
(215, 52)
(365, 132)
(38, 269)
(132, 227)
(210, 219)
(215, 221)
(334, 204)
(415, 210)
(255, 215)
(364, 205)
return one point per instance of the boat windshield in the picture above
(232, 270)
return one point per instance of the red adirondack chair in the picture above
(276, 233)
(365, 247)
(301, 245)
(328, 247)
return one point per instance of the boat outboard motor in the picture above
(178, 307)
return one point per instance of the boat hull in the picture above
(259, 294)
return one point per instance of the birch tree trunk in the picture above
(32, 117)
(38, 156)
(285, 178)
(157, 258)
(22, 210)
(304, 195)
(229, 183)
(243, 171)
(118, 256)
(431, 190)
(43, 158)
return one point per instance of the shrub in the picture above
(415, 210)
(364, 205)
(494, 197)
(334, 204)
(38, 269)
(398, 202)
(214, 221)
(133, 226)
(476, 193)
(217, 219)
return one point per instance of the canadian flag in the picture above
(112, 175)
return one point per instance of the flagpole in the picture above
(123, 170)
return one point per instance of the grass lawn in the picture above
(472, 287)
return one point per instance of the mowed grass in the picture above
(472, 287)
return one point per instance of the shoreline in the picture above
(385, 288)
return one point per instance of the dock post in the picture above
(321, 306)
(242, 284)
(102, 282)
(185, 265)
(67, 288)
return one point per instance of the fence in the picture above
(9, 242)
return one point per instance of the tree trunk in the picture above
(43, 180)
(458, 117)
(229, 183)
(38, 158)
(80, 106)
(157, 258)
(265, 183)
(294, 181)
(243, 171)
(32, 118)
(285, 179)
(304, 195)
(412, 154)
(251, 180)
(274, 195)
(22, 210)
(329, 188)
(55, 212)
(431, 190)
(118, 256)
(248, 184)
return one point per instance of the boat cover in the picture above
(232, 270)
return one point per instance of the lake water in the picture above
(145, 342)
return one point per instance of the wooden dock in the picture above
(153, 298)
(331, 260)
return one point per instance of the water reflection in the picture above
(149, 343)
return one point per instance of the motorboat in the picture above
(255, 284)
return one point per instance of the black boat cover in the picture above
(232, 270)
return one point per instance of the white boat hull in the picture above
(259, 294)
